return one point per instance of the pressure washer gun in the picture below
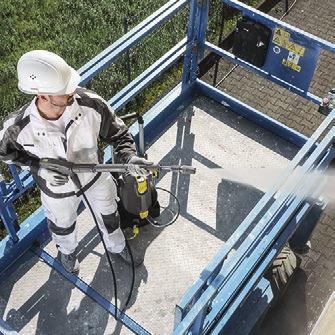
(70, 169)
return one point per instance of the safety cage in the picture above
(223, 296)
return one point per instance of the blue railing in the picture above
(227, 282)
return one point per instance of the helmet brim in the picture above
(70, 88)
(73, 82)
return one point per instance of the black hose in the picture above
(133, 277)
(175, 217)
(78, 183)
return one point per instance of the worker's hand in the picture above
(52, 177)
(134, 169)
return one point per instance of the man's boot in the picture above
(70, 262)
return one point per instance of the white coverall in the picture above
(27, 137)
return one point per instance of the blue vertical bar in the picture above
(15, 175)
(7, 213)
(200, 37)
(195, 39)
(10, 222)
(190, 42)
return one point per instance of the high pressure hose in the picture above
(174, 219)
(133, 277)
(77, 182)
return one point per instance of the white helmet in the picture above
(43, 72)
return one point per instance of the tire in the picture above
(281, 273)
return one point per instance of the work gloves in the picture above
(52, 177)
(135, 170)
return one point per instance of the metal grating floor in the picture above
(38, 301)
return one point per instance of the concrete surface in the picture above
(39, 301)
(326, 321)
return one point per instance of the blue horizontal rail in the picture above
(228, 55)
(248, 264)
(13, 189)
(134, 36)
(242, 263)
(271, 22)
(251, 114)
(270, 254)
(148, 76)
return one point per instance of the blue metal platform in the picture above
(243, 227)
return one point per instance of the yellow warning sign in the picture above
(297, 49)
(281, 38)
(276, 40)
(291, 65)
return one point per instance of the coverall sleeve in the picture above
(115, 132)
(112, 128)
(11, 152)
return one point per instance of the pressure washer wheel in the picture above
(281, 272)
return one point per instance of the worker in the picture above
(65, 121)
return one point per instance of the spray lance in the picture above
(70, 169)
(137, 193)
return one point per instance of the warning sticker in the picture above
(293, 58)
(282, 34)
(291, 65)
(276, 40)
(297, 49)
(281, 38)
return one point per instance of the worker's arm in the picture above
(112, 129)
(11, 152)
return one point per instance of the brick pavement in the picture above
(313, 284)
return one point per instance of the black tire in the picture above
(281, 272)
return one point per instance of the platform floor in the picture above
(36, 300)
(326, 321)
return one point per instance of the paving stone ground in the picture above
(315, 281)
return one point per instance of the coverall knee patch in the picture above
(60, 230)
(111, 221)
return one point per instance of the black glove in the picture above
(52, 177)
(135, 170)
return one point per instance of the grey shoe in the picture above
(303, 250)
(125, 255)
(70, 262)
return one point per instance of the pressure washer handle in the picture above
(68, 168)
(54, 164)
